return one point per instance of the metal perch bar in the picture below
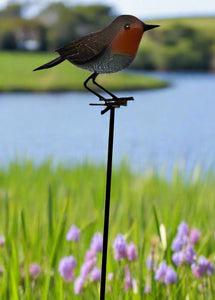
(110, 104)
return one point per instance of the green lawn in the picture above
(16, 75)
(38, 205)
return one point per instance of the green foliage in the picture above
(39, 204)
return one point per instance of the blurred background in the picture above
(164, 126)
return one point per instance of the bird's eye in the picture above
(127, 26)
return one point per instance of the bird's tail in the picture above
(51, 64)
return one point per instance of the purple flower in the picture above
(194, 236)
(131, 252)
(120, 247)
(97, 242)
(110, 277)
(2, 241)
(34, 270)
(66, 268)
(73, 234)
(189, 254)
(165, 274)
(203, 267)
(178, 242)
(170, 276)
(78, 285)
(128, 279)
(161, 271)
(147, 289)
(178, 258)
(87, 267)
(95, 274)
(90, 254)
(183, 229)
(150, 263)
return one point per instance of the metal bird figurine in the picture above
(105, 51)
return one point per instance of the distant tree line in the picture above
(176, 47)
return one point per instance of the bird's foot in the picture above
(114, 102)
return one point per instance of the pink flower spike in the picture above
(147, 289)
(2, 241)
(87, 267)
(194, 236)
(97, 242)
(95, 274)
(128, 279)
(110, 277)
(131, 252)
(78, 285)
(90, 254)
(120, 247)
(34, 270)
(66, 268)
(73, 234)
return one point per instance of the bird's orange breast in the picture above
(127, 41)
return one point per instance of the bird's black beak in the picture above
(149, 27)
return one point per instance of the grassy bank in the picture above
(38, 205)
(16, 75)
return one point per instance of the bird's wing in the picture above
(84, 49)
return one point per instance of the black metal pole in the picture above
(107, 204)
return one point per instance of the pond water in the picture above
(161, 128)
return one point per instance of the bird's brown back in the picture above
(93, 44)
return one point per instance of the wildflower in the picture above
(131, 252)
(150, 263)
(87, 267)
(189, 254)
(34, 270)
(2, 241)
(177, 243)
(66, 268)
(194, 236)
(97, 242)
(203, 267)
(90, 254)
(110, 277)
(183, 229)
(95, 274)
(161, 271)
(170, 276)
(178, 258)
(128, 279)
(120, 247)
(165, 274)
(78, 285)
(147, 289)
(73, 234)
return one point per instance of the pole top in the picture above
(113, 103)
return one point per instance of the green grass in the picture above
(39, 204)
(16, 75)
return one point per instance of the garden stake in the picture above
(110, 104)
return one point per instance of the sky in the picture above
(145, 8)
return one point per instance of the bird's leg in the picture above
(89, 89)
(94, 75)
